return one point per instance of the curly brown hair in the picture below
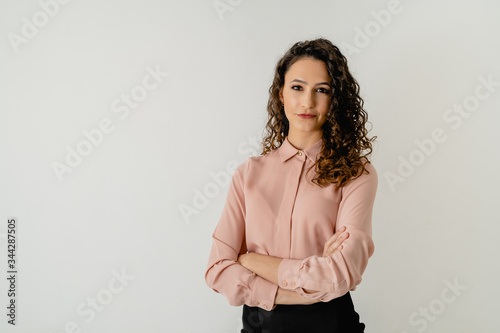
(345, 141)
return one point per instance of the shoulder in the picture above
(368, 180)
(256, 163)
(370, 170)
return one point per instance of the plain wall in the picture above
(102, 245)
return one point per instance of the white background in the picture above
(119, 210)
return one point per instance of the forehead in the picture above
(308, 69)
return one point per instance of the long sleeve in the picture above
(224, 274)
(335, 275)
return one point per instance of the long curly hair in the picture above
(346, 146)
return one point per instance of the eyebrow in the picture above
(304, 82)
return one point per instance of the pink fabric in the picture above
(272, 208)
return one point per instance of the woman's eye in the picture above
(321, 90)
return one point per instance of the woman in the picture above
(295, 232)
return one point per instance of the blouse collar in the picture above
(286, 150)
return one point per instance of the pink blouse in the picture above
(272, 208)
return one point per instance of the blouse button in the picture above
(285, 283)
(256, 303)
(300, 153)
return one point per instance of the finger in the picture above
(340, 240)
(333, 242)
(333, 250)
(335, 236)
(337, 244)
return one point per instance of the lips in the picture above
(306, 116)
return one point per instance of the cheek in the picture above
(324, 109)
(325, 101)
(326, 104)
(290, 98)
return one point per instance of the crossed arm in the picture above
(267, 268)
(252, 279)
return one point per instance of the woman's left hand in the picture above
(335, 242)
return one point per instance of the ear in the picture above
(281, 95)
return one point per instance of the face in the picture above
(306, 96)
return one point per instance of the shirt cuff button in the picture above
(293, 284)
(285, 283)
(256, 303)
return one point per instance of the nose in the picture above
(308, 99)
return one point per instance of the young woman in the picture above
(295, 232)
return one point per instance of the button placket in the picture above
(286, 208)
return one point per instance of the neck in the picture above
(303, 140)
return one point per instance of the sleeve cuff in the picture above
(289, 278)
(288, 273)
(263, 294)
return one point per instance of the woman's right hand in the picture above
(288, 297)
(335, 242)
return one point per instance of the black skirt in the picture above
(335, 316)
